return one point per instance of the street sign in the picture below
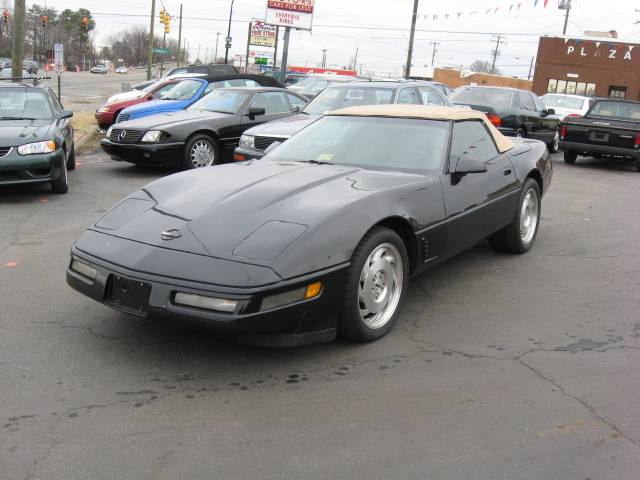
(290, 13)
(228, 39)
(162, 51)
(227, 45)
(58, 54)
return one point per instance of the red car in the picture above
(108, 112)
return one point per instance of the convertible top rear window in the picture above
(371, 142)
(496, 97)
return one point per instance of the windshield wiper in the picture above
(17, 118)
(316, 162)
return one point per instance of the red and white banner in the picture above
(290, 13)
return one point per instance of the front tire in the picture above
(570, 157)
(519, 235)
(376, 284)
(71, 161)
(61, 184)
(201, 151)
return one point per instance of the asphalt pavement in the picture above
(500, 366)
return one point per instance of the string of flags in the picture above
(511, 8)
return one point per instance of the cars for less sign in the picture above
(290, 13)
(262, 35)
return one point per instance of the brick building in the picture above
(455, 78)
(593, 66)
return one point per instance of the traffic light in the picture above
(45, 20)
(165, 19)
(5, 16)
(85, 23)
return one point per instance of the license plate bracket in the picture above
(128, 295)
(599, 137)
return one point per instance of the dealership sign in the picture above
(290, 13)
(262, 35)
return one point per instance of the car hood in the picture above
(164, 121)
(120, 97)
(253, 211)
(19, 132)
(285, 127)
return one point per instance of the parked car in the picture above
(567, 105)
(5, 62)
(8, 73)
(122, 70)
(291, 78)
(516, 113)
(107, 113)
(30, 66)
(314, 84)
(200, 135)
(340, 95)
(321, 237)
(213, 69)
(175, 71)
(610, 129)
(36, 144)
(188, 91)
(99, 69)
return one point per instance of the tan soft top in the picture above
(429, 113)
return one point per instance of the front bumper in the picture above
(301, 323)
(241, 153)
(604, 149)
(165, 154)
(16, 168)
(104, 119)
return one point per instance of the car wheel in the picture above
(376, 284)
(570, 157)
(638, 166)
(520, 133)
(61, 184)
(201, 151)
(519, 235)
(553, 146)
(71, 161)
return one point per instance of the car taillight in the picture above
(573, 115)
(495, 120)
(563, 132)
(636, 144)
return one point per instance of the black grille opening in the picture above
(262, 143)
(4, 151)
(119, 135)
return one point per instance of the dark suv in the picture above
(516, 113)
(340, 95)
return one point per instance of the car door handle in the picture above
(506, 171)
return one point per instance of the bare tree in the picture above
(483, 66)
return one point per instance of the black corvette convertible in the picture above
(321, 235)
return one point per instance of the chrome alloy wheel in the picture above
(380, 285)
(202, 154)
(556, 141)
(529, 216)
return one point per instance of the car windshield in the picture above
(370, 142)
(495, 97)
(626, 110)
(336, 97)
(562, 101)
(182, 91)
(22, 103)
(224, 101)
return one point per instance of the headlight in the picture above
(109, 132)
(37, 147)
(103, 109)
(247, 141)
(83, 269)
(208, 303)
(152, 136)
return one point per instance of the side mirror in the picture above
(549, 111)
(65, 114)
(271, 147)
(255, 112)
(467, 165)
(296, 109)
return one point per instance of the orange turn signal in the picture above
(313, 290)
(238, 158)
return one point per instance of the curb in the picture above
(79, 144)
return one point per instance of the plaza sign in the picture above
(290, 13)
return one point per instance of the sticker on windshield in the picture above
(325, 157)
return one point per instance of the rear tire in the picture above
(376, 284)
(71, 161)
(61, 184)
(519, 235)
(520, 133)
(570, 157)
(555, 143)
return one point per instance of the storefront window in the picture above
(553, 84)
(580, 89)
(571, 88)
(591, 90)
(617, 92)
(562, 86)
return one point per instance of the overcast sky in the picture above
(380, 28)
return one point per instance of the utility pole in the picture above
(530, 69)
(495, 54)
(433, 55)
(215, 59)
(285, 55)
(150, 49)
(324, 58)
(407, 70)
(17, 40)
(565, 5)
(227, 44)
(179, 36)
(355, 59)
(198, 56)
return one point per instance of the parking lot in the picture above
(500, 366)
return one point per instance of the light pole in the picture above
(565, 5)
(215, 59)
(228, 39)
